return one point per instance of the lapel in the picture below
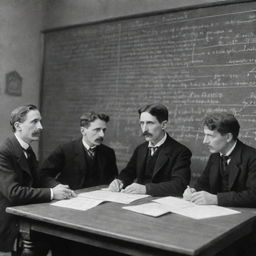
(101, 159)
(165, 153)
(214, 171)
(142, 156)
(18, 152)
(79, 159)
(234, 165)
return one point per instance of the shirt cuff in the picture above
(51, 193)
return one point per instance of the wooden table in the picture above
(109, 226)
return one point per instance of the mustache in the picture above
(36, 133)
(99, 139)
(146, 134)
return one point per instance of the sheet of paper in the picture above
(151, 209)
(118, 197)
(191, 210)
(78, 203)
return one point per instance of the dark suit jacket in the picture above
(69, 164)
(242, 177)
(16, 183)
(171, 174)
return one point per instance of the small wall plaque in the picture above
(13, 83)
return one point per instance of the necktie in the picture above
(31, 158)
(91, 152)
(224, 162)
(152, 150)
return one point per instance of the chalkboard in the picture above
(194, 61)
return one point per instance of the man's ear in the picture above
(164, 124)
(83, 130)
(229, 137)
(17, 126)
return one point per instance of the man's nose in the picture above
(101, 133)
(205, 141)
(39, 126)
(144, 128)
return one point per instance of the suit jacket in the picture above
(17, 187)
(171, 173)
(68, 163)
(242, 177)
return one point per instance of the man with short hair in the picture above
(229, 178)
(161, 165)
(83, 162)
(18, 173)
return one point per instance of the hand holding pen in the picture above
(188, 193)
(116, 185)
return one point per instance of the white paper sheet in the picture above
(78, 203)
(118, 197)
(151, 209)
(191, 210)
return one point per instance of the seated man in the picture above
(18, 175)
(161, 165)
(80, 163)
(229, 178)
(84, 162)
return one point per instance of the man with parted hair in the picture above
(83, 162)
(229, 178)
(19, 182)
(161, 165)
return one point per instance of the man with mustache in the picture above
(83, 162)
(18, 176)
(229, 178)
(161, 165)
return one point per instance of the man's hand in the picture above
(116, 185)
(203, 197)
(62, 192)
(135, 188)
(188, 193)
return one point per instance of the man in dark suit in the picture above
(18, 174)
(81, 163)
(161, 165)
(229, 178)
(84, 162)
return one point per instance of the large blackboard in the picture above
(194, 61)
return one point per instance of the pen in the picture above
(190, 190)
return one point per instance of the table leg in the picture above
(28, 248)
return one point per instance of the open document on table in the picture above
(191, 210)
(87, 200)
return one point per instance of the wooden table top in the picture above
(170, 232)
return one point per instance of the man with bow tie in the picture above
(18, 175)
(85, 161)
(161, 165)
(229, 178)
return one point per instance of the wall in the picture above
(69, 12)
(20, 50)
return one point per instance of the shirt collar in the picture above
(230, 151)
(86, 145)
(23, 144)
(159, 143)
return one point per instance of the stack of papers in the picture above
(151, 209)
(87, 200)
(117, 197)
(191, 210)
